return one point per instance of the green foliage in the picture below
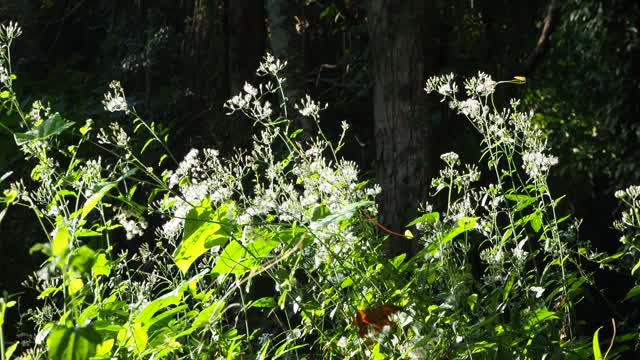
(274, 253)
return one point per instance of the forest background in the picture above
(179, 61)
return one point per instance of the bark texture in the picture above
(400, 113)
(246, 35)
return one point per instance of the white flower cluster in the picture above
(114, 100)
(117, 137)
(199, 174)
(10, 31)
(38, 112)
(270, 66)
(133, 224)
(250, 102)
(443, 85)
(481, 85)
(537, 164)
(631, 193)
(308, 107)
(4, 75)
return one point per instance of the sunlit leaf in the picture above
(54, 125)
(95, 198)
(203, 229)
(72, 343)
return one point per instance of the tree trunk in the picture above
(288, 42)
(246, 35)
(402, 131)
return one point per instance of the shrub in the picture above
(274, 251)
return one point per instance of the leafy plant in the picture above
(274, 252)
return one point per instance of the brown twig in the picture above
(550, 21)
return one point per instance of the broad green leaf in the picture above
(54, 125)
(634, 292)
(95, 198)
(203, 229)
(597, 354)
(522, 200)
(212, 311)
(87, 233)
(236, 259)
(102, 266)
(535, 222)
(431, 218)
(71, 343)
(540, 315)
(265, 302)
(611, 258)
(397, 261)
(61, 239)
(376, 354)
(83, 259)
(75, 285)
(343, 214)
(104, 348)
(174, 297)
(465, 224)
(346, 282)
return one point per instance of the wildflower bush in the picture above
(275, 252)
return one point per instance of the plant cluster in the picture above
(274, 252)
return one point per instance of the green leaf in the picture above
(60, 241)
(295, 133)
(265, 302)
(145, 316)
(237, 259)
(203, 229)
(344, 214)
(465, 224)
(212, 311)
(95, 198)
(507, 287)
(102, 266)
(431, 218)
(54, 125)
(634, 292)
(82, 259)
(597, 354)
(10, 350)
(535, 222)
(635, 268)
(397, 261)
(540, 315)
(71, 343)
(5, 94)
(472, 300)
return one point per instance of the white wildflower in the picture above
(537, 164)
(249, 89)
(537, 290)
(114, 100)
(4, 75)
(309, 107)
(481, 85)
(471, 108)
(450, 158)
(133, 224)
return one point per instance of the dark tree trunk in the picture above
(402, 131)
(246, 34)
